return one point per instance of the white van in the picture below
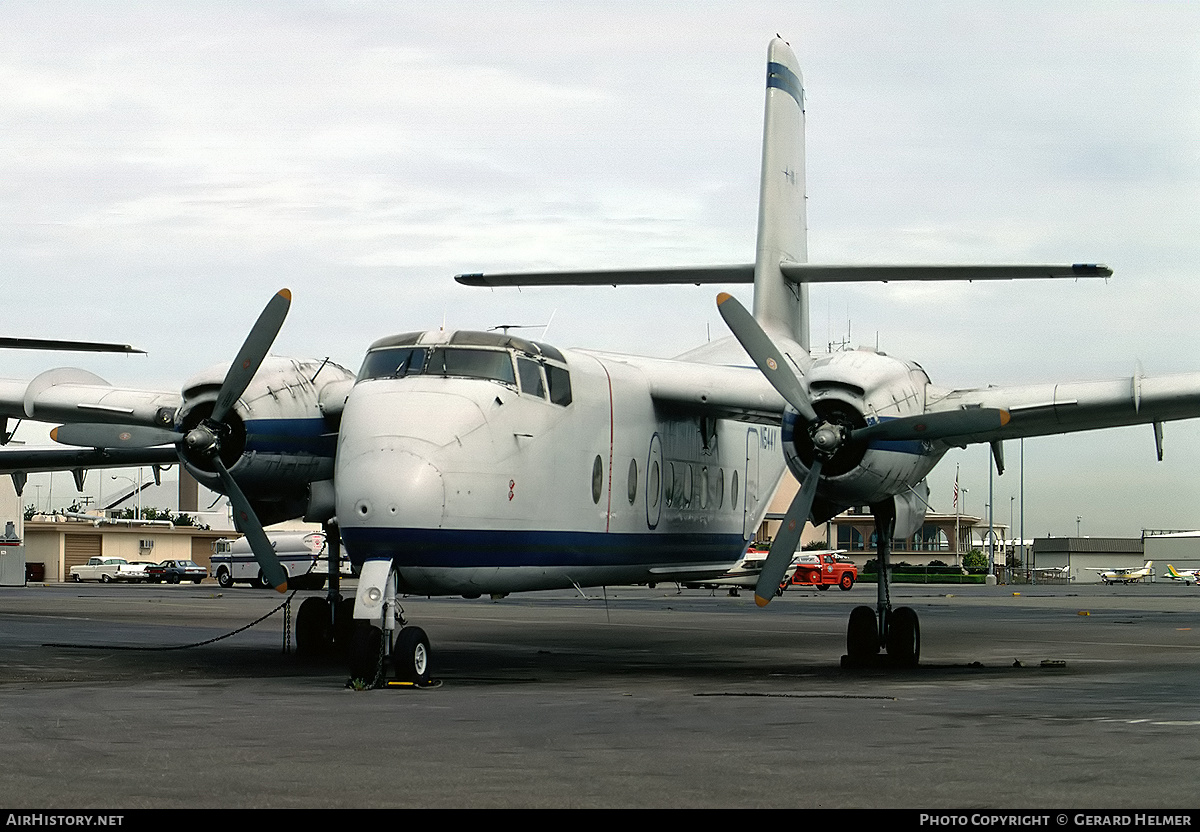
(303, 555)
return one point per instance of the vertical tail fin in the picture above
(780, 306)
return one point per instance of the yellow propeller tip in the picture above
(54, 434)
(722, 297)
(282, 587)
(761, 601)
(286, 293)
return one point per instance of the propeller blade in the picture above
(935, 425)
(251, 355)
(783, 547)
(112, 436)
(264, 552)
(766, 355)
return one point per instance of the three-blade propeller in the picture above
(205, 438)
(828, 438)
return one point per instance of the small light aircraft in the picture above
(1188, 576)
(1129, 575)
(1055, 572)
(481, 462)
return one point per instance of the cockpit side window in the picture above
(559, 380)
(530, 373)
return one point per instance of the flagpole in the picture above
(957, 533)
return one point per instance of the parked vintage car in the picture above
(133, 572)
(97, 569)
(175, 571)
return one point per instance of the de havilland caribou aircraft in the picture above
(479, 462)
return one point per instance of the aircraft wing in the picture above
(33, 460)
(729, 391)
(1046, 409)
(73, 395)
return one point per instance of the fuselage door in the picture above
(750, 485)
(654, 482)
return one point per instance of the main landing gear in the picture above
(897, 631)
(324, 626)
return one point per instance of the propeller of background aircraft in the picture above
(204, 439)
(827, 437)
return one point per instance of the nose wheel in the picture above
(897, 631)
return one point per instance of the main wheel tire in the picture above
(846, 582)
(364, 656)
(411, 656)
(904, 637)
(314, 629)
(862, 634)
(224, 578)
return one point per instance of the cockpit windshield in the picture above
(533, 369)
(460, 362)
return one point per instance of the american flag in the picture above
(956, 490)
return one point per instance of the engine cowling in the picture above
(851, 390)
(278, 438)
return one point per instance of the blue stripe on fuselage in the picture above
(506, 548)
(282, 436)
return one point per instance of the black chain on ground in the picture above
(287, 602)
(379, 670)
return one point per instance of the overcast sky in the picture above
(166, 167)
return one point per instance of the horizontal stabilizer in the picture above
(817, 273)
(795, 272)
(694, 275)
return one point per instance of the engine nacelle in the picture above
(281, 433)
(850, 390)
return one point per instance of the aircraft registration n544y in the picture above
(473, 463)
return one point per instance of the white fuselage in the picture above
(484, 485)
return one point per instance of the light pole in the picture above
(1078, 520)
(964, 492)
(1011, 501)
(138, 485)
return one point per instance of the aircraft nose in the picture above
(390, 487)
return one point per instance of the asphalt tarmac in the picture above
(633, 697)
